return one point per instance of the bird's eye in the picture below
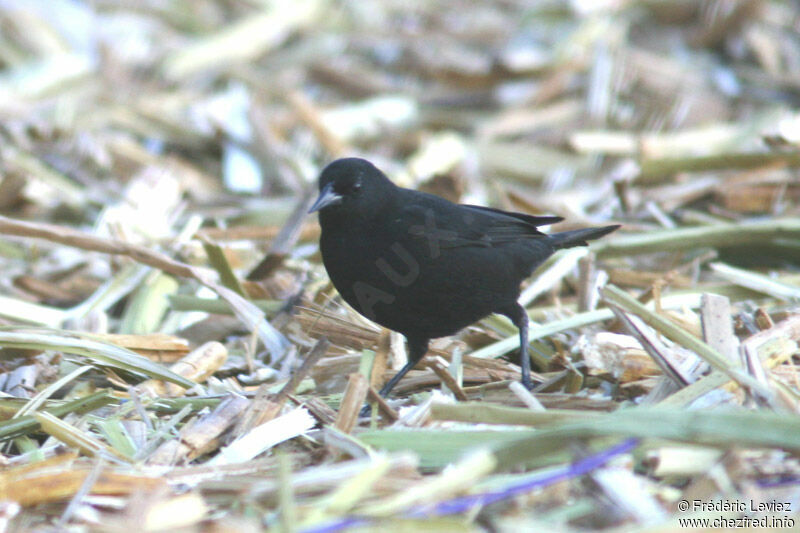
(356, 186)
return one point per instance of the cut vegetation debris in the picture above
(174, 355)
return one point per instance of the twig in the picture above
(288, 389)
(721, 235)
(383, 405)
(77, 239)
(274, 341)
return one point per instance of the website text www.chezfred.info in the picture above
(779, 517)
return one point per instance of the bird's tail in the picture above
(578, 237)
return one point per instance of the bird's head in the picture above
(352, 186)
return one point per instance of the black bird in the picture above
(423, 266)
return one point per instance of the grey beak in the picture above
(326, 197)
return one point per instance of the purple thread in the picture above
(778, 482)
(465, 503)
(337, 525)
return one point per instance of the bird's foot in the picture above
(527, 383)
(366, 411)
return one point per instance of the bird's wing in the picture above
(529, 219)
(454, 226)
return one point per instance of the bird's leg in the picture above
(416, 350)
(519, 317)
(386, 389)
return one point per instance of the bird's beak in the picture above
(326, 197)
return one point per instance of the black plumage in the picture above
(423, 266)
